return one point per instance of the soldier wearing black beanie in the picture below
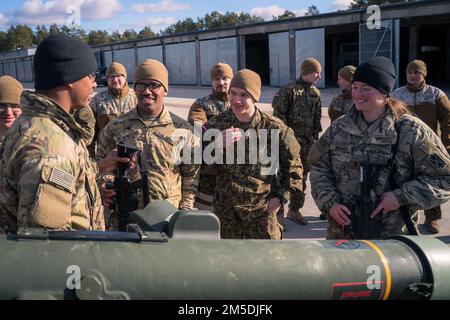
(378, 72)
(60, 60)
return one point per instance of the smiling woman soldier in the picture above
(354, 159)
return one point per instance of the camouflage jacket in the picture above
(164, 143)
(340, 105)
(86, 119)
(431, 105)
(248, 186)
(203, 109)
(107, 106)
(422, 166)
(299, 106)
(46, 177)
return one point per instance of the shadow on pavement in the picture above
(315, 229)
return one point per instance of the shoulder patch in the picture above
(436, 161)
(62, 179)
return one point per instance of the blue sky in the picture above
(119, 15)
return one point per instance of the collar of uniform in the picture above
(222, 96)
(415, 90)
(120, 94)
(256, 119)
(37, 105)
(164, 117)
(347, 94)
(381, 131)
(304, 83)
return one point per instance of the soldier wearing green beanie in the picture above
(299, 106)
(247, 198)
(161, 135)
(432, 106)
(202, 110)
(111, 103)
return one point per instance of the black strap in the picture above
(404, 211)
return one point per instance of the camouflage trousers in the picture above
(297, 199)
(235, 224)
(433, 213)
(204, 200)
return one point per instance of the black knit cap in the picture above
(377, 72)
(61, 59)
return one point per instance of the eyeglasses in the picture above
(152, 86)
(14, 108)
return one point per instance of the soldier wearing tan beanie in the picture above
(246, 197)
(152, 69)
(310, 65)
(299, 106)
(202, 110)
(417, 65)
(343, 103)
(111, 103)
(164, 138)
(432, 106)
(249, 81)
(10, 92)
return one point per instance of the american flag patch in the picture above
(62, 179)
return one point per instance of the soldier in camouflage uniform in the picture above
(299, 106)
(117, 100)
(46, 177)
(203, 110)
(10, 92)
(247, 197)
(359, 147)
(343, 102)
(432, 106)
(161, 135)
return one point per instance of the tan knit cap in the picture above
(417, 65)
(116, 68)
(10, 90)
(347, 72)
(221, 69)
(152, 69)
(249, 81)
(310, 65)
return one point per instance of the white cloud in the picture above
(163, 6)
(274, 11)
(35, 12)
(3, 20)
(340, 4)
(100, 9)
(156, 24)
(267, 12)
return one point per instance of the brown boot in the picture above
(431, 225)
(297, 217)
